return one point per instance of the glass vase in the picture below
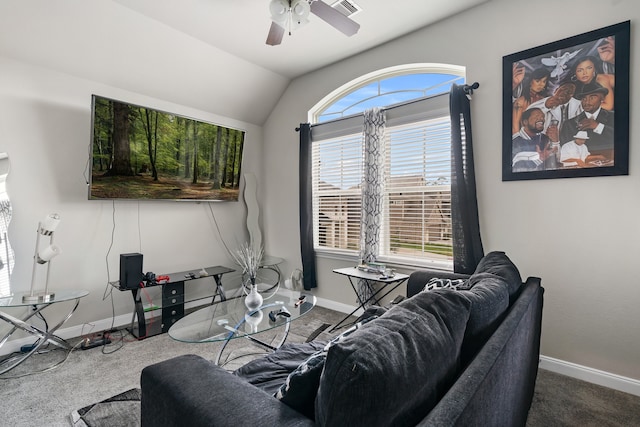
(253, 300)
(252, 320)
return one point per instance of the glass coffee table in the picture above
(227, 320)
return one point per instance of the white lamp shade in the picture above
(49, 224)
(48, 253)
(299, 13)
(279, 10)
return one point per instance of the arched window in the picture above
(385, 88)
(416, 189)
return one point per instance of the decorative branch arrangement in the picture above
(249, 258)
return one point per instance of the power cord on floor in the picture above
(117, 344)
(75, 347)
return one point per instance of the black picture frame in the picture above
(568, 65)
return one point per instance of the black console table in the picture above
(172, 299)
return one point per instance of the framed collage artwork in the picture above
(566, 107)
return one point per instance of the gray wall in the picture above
(45, 127)
(580, 235)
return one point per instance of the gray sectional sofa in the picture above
(439, 358)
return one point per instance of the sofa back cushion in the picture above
(394, 369)
(489, 302)
(300, 388)
(498, 265)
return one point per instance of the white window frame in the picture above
(376, 76)
(409, 112)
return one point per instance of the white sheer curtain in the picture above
(372, 190)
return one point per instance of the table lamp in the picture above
(43, 256)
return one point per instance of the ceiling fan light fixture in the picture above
(279, 10)
(300, 10)
(289, 15)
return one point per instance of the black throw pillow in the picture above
(301, 386)
(394, 370)
(498, 264)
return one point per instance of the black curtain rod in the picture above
(468, 90)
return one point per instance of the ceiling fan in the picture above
(292, 14)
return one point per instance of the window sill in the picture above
(393, 262)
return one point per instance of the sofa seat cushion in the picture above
(393, 370)
(270, 372)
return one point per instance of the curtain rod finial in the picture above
(468, 89)
(471, 88)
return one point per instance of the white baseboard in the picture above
(584, 373)
(338, 306)
(118, 322)
(124, 320)
(595, 376)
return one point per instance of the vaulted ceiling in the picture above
(240, 27)
(205, 54)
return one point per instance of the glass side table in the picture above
(388, 283)
(44, 336)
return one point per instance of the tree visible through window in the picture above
(416, 222)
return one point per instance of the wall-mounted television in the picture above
(142, 153)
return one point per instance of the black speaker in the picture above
(130, 271)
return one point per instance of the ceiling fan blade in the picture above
(334, 18)
(276, 32)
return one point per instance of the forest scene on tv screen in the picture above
(141, 153)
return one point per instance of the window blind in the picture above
(417, 182)
(417, 191)
(337, 177)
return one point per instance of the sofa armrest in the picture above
(497, 387)
(189, 390)
(419, 278)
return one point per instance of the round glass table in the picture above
(227, 320)
(45, 336)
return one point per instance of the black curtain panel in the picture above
(467, 244)
(306, 210)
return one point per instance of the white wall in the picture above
(104, 41)
(45, 127)
(53, 56)
(579, 235)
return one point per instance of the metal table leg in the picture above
(44, 336)
(393, 286)
(253, 339)
(219, 289)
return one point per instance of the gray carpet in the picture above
(563, 401)
(90, 376)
